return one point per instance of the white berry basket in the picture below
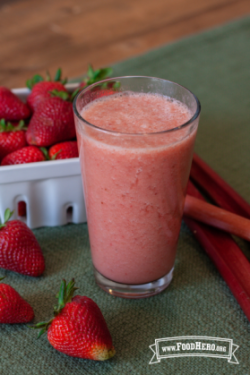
(52, 190)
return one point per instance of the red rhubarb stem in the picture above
(217, 217)
(226, 255)
(218, 189)
(239, 292)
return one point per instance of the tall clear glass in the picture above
(134, 186)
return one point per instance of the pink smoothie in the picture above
(135, 183)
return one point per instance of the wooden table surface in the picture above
(43, 35)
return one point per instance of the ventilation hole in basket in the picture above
(69, 214)
(22, 209)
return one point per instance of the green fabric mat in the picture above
(216, 66)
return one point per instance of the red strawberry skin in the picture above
(80, 331)
(13, 308)
(11, 141)
(64, 150)
(22, 211)
(41, 91)
(83, 84)
(19, 249)
(52, 122)
(11, 107)
(29, 154)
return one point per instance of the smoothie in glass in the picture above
(135, 173)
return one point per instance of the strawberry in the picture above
(11, 107)
(13, 308)
(78, 328)
(29, 154)
(12, 137)
(22, 211)
(101, 91)
(52, 122)
(64, 150)
(19, 249)
(41, 89)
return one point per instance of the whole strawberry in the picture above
(40, 89)
(78, 328)
(52, 122)
(12, 138)
(29, 154)
(11, 107)
(64, 150)
(13, 308)
(19, 249)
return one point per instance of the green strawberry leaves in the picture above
(97, 75)
(55, 155)
(116, 85)
(43, 326)
(58, 75)
(45, 153)
(5, 127)
(8, 127)
(94, 76)
(30, 83)
(60, 94)
(7, 215)
(73, 95)
(64, 296)
(21, 126)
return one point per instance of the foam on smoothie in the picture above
(136, 113)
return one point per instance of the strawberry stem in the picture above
(64, 296)
(75, 93)
(55, 155)
(43, 326)
(45, 152)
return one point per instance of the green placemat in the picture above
(216, 66)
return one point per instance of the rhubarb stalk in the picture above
(217, 217)
(226, 255)
(217, 189)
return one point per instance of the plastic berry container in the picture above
(51, 190)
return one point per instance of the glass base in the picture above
(133, 291)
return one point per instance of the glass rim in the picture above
(113, 132)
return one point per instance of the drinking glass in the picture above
(134, 187)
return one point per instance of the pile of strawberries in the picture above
(43, 128)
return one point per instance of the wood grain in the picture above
(42, 35)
